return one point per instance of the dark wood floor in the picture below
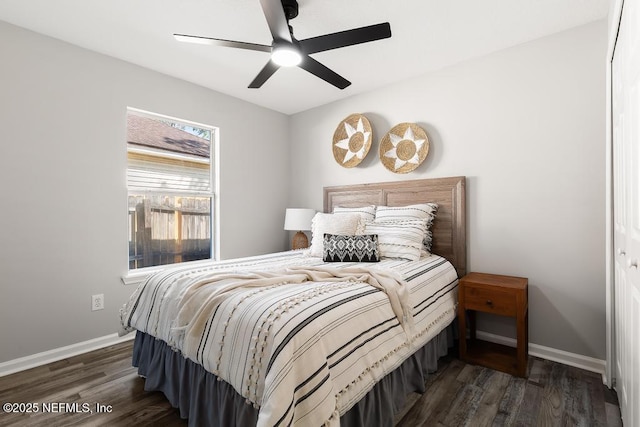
(553, 394)
(458, 395)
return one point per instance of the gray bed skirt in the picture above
(206, 401)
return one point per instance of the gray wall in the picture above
(526, 126)
(63, 197)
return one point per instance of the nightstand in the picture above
(502, 295)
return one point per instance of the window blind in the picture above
(151, 173)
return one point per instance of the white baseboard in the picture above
(571, 359)
(39, 359)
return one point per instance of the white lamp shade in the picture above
(298, 219)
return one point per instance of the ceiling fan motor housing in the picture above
(290, 8)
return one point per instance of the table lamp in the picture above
(298, 219)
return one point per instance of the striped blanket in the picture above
(303, 352)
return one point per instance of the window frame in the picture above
(138, 275)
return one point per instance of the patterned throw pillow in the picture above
(356, 248)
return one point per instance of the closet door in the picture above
(626, 183)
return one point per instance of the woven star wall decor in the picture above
(352, 140)
(404, 148)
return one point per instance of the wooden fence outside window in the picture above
(168, 230)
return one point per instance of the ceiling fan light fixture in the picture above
(286, 55)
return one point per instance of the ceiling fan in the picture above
(287, 51)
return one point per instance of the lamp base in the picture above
(300, 241)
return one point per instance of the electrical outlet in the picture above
(97, 302)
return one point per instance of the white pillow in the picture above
(399, 239)
(344, 224)
(368, 213)
(402, 213)
(425, 211)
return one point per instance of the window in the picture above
(170, 190)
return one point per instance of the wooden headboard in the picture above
(449, 228)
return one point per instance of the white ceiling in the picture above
(426, 35)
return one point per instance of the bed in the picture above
(287, 339)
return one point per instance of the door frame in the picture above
(615, 15)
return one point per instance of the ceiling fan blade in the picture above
(346, 38)
(221, 42)
(276, 19)
(264, 74)
(319, 70)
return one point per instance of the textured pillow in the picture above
(426, 211)
(323, 223)
(368, 213)
(402, 213)
(427, 242)
(358, 248)
(399, 239)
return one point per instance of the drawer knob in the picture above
(490, 303)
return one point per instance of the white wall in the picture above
(63, 197)
(526, 126)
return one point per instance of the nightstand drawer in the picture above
(490, 301)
